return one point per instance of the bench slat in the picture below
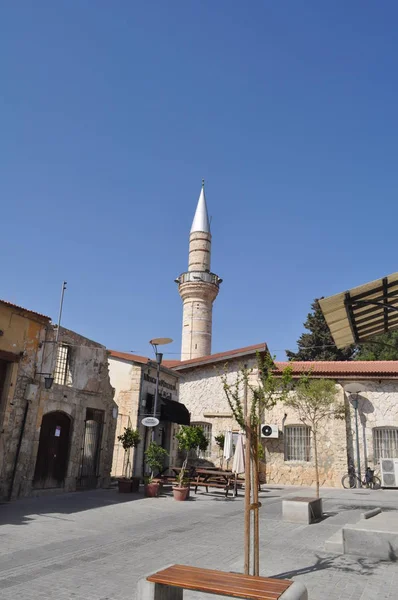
(218, 582)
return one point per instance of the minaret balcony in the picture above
(199, 277)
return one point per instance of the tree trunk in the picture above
(183, 468)
(316, 463)
(256, 535)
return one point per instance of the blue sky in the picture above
(111, 114)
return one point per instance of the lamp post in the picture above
(353, 389)
(159, 356)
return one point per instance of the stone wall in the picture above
(201, 390)
(22, 334)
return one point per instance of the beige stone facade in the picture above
(134, 380)
(59, 438)
(289, 459)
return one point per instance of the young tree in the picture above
(129, 439)
(190, 438)
(318, 344)
(315, 401)
(248, 397)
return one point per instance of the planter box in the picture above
(127, 486)
(302, 510)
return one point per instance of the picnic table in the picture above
(209, 477)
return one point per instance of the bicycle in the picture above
(350, 480)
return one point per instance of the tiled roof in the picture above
(140, 359)
(32, 312)
(355, 369)
(129, 357)
(220, 356)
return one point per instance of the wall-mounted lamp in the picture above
(48, 380)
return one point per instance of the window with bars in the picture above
(207, 428)
(297, 443)
(385, 443)
(62, 366)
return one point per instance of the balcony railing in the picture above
(199, 276)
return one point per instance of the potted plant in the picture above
(189, 438)
(154, 457)
(129, 439)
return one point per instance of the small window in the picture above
(385, 443)
(207, 427)
(297, 443)
(62, 366)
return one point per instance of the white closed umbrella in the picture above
(228, 446)
(238, 465)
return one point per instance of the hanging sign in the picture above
(150, 421)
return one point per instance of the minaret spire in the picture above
(201, 219)
(198, 287)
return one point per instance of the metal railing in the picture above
(199, 276)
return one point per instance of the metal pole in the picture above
(246, 415)
(159, 357)
(357, 434)
(60, 310)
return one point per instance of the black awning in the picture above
(175, 412)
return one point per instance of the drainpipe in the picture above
(14, 470)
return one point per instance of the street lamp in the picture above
(159, 356)
(354, 389)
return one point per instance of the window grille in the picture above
(62, 365)
(207, 428)
(385, 443)
(297, 443)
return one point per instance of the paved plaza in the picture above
(96, 545)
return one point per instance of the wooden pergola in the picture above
(359, 314)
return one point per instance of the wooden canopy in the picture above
(362, 312)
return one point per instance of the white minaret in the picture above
(198, 287)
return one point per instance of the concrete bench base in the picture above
(147, 590)
(302, 510)
(373, 538)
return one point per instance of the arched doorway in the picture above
(52, 456)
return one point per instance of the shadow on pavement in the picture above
(347, 564)
(25, 510)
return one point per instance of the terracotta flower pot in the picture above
(180, 493)
(152, 489)
(127, 486)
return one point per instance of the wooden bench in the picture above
(169, 584)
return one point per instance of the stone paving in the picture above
(96, 545)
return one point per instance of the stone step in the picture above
(335, 543)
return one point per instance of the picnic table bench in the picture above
(169, 584)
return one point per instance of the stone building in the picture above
(57, 411)
(289, 458)
(134, 380)
(202, 392)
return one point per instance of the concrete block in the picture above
(335, 543)
(297, 591)
(373, 538)
(371, 513)
(147, 590)
(302, 510)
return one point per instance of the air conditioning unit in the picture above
(269, 431)
(389, 472)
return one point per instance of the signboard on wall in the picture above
(150, 421)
